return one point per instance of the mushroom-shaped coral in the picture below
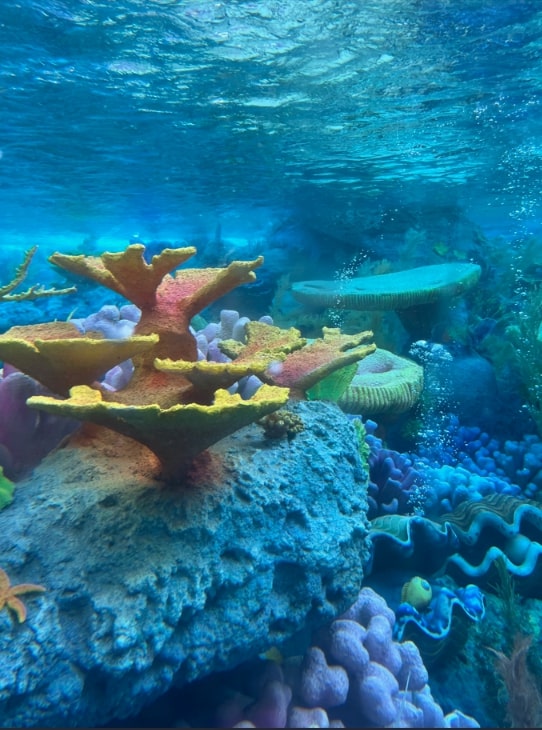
(413, 293)
(58, 356)
(398, 290)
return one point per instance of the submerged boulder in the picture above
(151, 585)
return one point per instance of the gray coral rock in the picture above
(149, 586)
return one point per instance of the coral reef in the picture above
(292, 362)
(159, 408)
(169, 400)
(355, 675)
(465, 464)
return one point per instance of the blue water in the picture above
(328, 135)
(164, 118)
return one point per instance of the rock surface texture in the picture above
(150, 585)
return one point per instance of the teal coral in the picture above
(397, 290)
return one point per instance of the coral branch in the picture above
(126, 273)
(36, 291)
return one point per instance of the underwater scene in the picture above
(271, 363)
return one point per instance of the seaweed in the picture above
(524, 700)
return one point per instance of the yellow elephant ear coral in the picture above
(176, 434)
(265, 342)
(302, 369)
(127, 272)
(291, 361)
(207, 376)
(167, 302)
(58, 356)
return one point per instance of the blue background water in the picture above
(166, 119)
(314, 132)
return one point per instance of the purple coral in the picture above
(395, 483)
(322, 685)
(115, 323)
(357, 675)
(26, 435)
(112, 322)
(231, 326)
(468, 465)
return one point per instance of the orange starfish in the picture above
(9, 593)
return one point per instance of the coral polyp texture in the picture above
(173, 411)
(383, 383)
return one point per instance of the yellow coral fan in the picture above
(177, 434)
